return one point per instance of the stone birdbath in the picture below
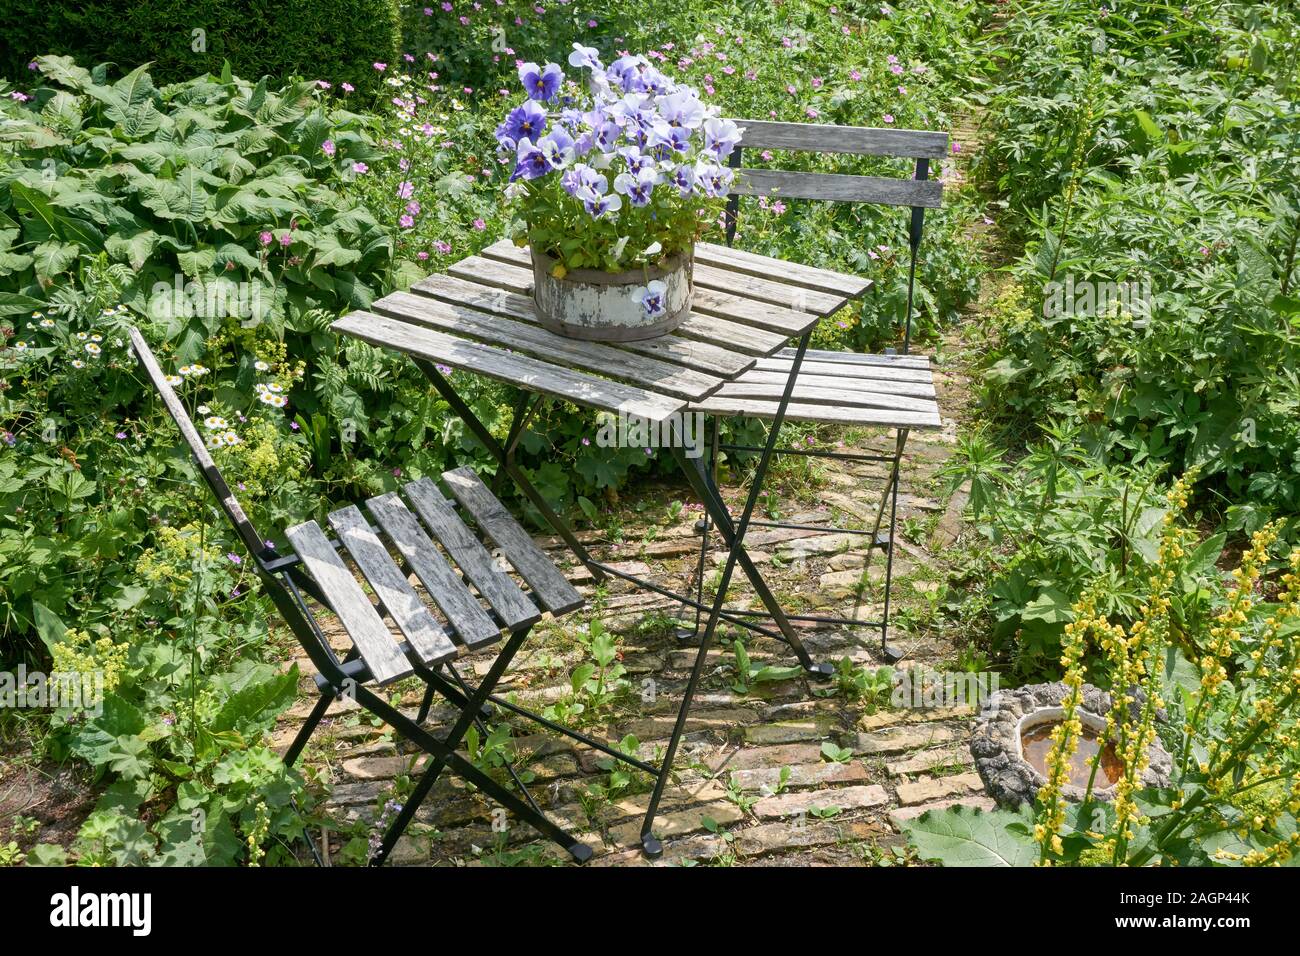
(1012, 740)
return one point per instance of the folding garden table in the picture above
(480, 318)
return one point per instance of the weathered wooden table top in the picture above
(479, 317)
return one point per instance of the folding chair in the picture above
(428, 646)
(836, 387)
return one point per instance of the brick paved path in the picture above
(753, 783)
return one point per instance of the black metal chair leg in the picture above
(472, 774)
(467, 715)
(425, 704)
(307, 729)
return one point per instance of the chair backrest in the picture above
(918, 193)
(920, 145)
(207, 467)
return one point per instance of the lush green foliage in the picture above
(335, 40)
(1166, 155)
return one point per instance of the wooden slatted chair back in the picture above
(207, 467)
(920, 145)
(918, 193)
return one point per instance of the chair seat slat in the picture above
(883, 386)
(912, 360)
(392, 588)
(364, 626)
(510, 603)
(530, 561)
(804, 412)
(827, 395)
(473, 625)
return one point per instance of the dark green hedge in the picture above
(335, 40)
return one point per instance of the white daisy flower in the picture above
(96, 338)
(38, 315)
(20, 346)
(261, 366)
(172, 379)
(215, 441)
(78, 363)
(83, 336)
(230, 438)
(47, 323)
(215, 423)
(92, 348)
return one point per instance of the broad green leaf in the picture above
(965, 836)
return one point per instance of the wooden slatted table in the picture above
(731, 356)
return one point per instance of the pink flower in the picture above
(855, 75)
(405, 190)
(360, 168)
(264, 238)
(442, 247)
(480, 225)
(888, 117)
(380, 66)
(406, 222)
(286, 240)
(778, 208)
(327, 148)
(413, 208)
(956, 147)
(347, 87)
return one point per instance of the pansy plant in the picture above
(617, 173)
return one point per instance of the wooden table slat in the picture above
(792, 273)
(534, 340)
(770, 290)
(434, 346)
(700, 356)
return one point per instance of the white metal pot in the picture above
(609, 306)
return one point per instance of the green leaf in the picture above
(47, 854)
(49, 626)
(964, 836)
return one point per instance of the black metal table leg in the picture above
(735, 552)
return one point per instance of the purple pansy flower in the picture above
(541, 83)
